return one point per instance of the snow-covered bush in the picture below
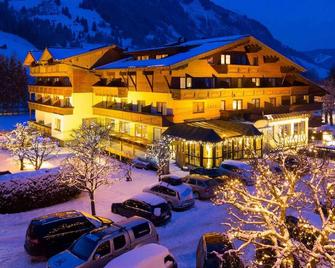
(29, 190)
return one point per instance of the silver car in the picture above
(98, 247)
(178, 196)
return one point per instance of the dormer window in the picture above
(161, 56)
(143, 57)
(225, 59)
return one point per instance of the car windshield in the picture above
(84, 247)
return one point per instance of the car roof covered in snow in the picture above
(178, 188)
(52, 217)
(148, 198)
(239, 164)
(149, 255)
(190, 49)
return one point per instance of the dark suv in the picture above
(50, 234)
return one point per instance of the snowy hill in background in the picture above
(132, 24)
(13, 45)
(323, 57)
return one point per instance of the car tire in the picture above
(196, 195)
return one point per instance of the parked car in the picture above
(146, 205)
(145, 163)
(238, 169)
(5, 172)
(177, 196)
(50, 234)
(203, 187)
(98, 247)
(210, 247)
(173, 180)
(209, 172)
(149, 255)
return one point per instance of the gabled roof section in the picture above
(32, 56)
(189, 50)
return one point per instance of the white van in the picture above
(147, 256)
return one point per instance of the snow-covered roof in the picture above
(149, 255)
(150, 199)
(194, 49)
(63, 53)
(178, 188)
(238, 164)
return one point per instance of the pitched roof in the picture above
(193, 48)
(63, 53)
(212, 130)
(36, 54)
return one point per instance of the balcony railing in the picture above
(210, 93)
(64, 91)
(232, 68)
(144, 117)
(44, 129)
(121, 92)
(50, 107)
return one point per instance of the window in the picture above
(141, 230)
(103, 249)
(141, 131)
(273, 101)
(161, 107)
(225, 59)
(57, 124)
(140, 105)
(161, 56)
(119, 242)
(124, 127)
(256, 81)
(167, 191)
(223, 105)
(255, 61)
(239, 82)
(157, 133)
(237, 104)
(256, 103)
(143, 57)
(299, 128)
(198, 107)
(182, 82)
(110, 123)
(188, 82)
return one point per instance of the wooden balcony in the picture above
(45, 70)
(144, 118)
(232, 68)
(211, 93)
(63, 91)
(121, 92)
(34, 105)
(46, 130)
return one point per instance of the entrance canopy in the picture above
(212, 131)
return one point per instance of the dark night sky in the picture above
(300, 24)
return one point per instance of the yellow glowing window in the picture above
(256, 103)
(225, 59)
(198, 107)
(237, 104)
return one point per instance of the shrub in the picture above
(30, 190)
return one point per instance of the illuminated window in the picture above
(141, 131)
(198, 107)
(161, 108)
(188, 82)
(256, 81)
(161, 56)
(225, 59)
(256, 102)
(143, 57)
(237, 104)
(57, 124)
(223, 105)
(157, 134)
(182, 82)
(124, 127)
(273, 102)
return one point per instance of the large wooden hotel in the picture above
(219, 98)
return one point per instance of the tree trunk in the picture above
(21, 164)
(91, 194)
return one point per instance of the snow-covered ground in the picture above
(180, 235)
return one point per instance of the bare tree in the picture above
(329, 100)
(160, 150)
(19, 140)
(40, 149)
(90, 167)
(287, 183)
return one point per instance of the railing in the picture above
(44, 129)
(121, 92)
(232, 68)
(64, 91)
(210, 93)
(34, 105)
(141, 117)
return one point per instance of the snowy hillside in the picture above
(323, 57)
(13, 45)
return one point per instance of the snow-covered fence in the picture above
(29, 190)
